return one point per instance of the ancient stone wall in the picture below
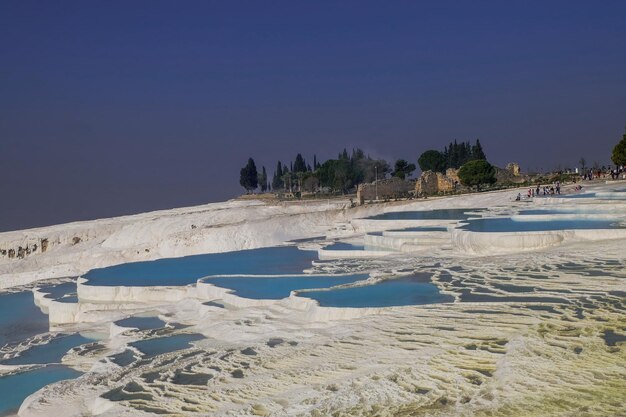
(427, 184)
(387, 189)
(430, 183)
(513, 168)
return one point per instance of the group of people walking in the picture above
(545, 190)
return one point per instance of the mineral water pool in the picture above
(124, 358)
(51, 352)
(442, 214)
(351, 246)
(141, 323)
(278, 287)
(64, 292)
(412, 290)
(20, 318)
(187, 270)
(506, 224)
(160, 345)
(534, 212)
(422, 229)
(15, 388)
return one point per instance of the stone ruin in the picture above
(511, 174)
(387, 189)
(430, 182)
(513, 168)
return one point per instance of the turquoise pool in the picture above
(160, 345)
(412, 290)
(20, 318)
(422, 229)
(276, 288)
(506, 224)
(188, 269)
(442, 214)
(350, 246)
(141, 323)
(64, 292)
(15, 388)
(51, 352)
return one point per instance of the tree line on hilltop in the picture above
(335, 175)
(348, 170)
(454, 156)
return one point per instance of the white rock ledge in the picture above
(495, 243)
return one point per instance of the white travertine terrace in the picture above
(525, 336)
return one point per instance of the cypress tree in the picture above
(277, 181)
(477, 151)
(263, 179)
(299, 165)
(248, 176)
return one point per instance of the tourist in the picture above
(519, 197)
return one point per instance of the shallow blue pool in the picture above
(160, 345)
(20, 318)
(422, 229)
(344, 246)
(187, 270)
(141, 323)
(508, 225)
(276, 288)
(413, 290)
(350, 246)
(51, 352)
(442, 214)
(15, 388)
(65, 292)
(534, 212)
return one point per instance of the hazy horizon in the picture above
(118, 108)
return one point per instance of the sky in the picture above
(118, 107)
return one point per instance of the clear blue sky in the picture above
(114, 107)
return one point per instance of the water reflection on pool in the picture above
(507, 224)
(441, 214)
(412, 290)
(20, 318)
(51, 352)
(160, 345)
(188, 269)
(275, 288)
(15, 388)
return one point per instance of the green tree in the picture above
(403, 169)
(299, 165)
(477, 151)
(248, 176)
(277, 182)
(263, 180)
(432, 160)
(477, 172)
(619, 152)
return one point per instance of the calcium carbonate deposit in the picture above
(475, 305)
